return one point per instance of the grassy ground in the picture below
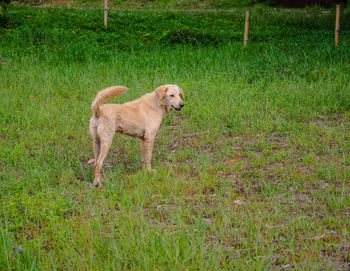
(253, 173)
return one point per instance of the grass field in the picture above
(253, 173)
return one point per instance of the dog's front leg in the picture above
(148, 149)
(143, 160)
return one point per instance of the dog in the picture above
(140, 118)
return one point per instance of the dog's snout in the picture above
(179, 106)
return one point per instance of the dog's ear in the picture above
(160, 91)
(181, 93)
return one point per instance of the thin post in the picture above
(246, 29)
(337, 26)
(106, 12)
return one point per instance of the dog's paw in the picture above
(91, 161)
(97, 183)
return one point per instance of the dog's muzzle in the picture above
(178, 108)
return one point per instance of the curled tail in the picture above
(104, 95)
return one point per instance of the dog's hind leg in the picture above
(106, 138)
(96, 146)
(96, 143)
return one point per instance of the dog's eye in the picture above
(172, 95)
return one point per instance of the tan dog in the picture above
(139, 118)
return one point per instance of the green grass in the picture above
(282, 105)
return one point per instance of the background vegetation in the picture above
(252, 174)
(186, 4)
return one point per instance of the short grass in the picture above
(253, 173)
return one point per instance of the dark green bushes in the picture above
(81, 33)
(3, 12)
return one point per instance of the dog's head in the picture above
(171, 96)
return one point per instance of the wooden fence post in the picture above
(106, 12)
(246, 29)
(337, 26)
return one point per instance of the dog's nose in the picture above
(181, 104)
